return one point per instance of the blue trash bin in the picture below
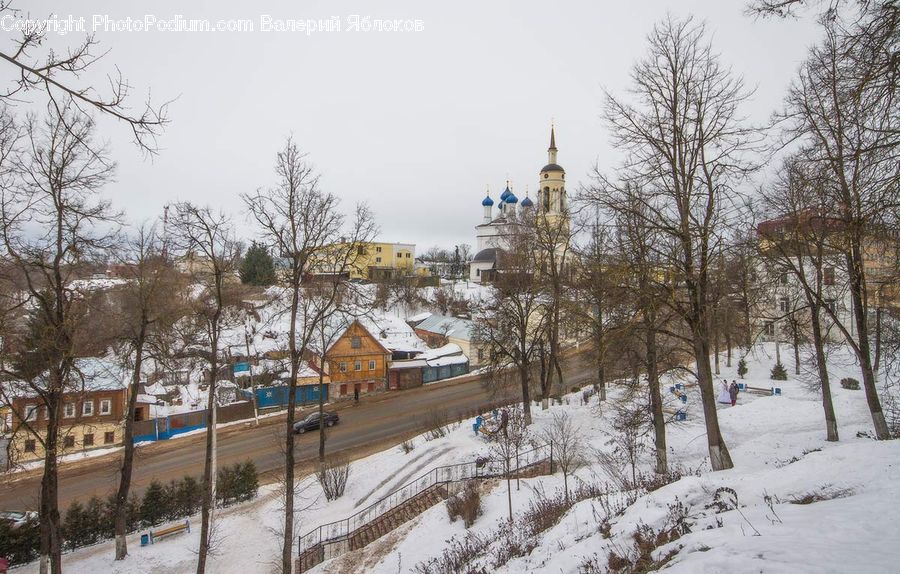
(145, 539)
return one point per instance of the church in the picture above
(490, 234)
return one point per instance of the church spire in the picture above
(551, 152)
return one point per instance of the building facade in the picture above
(492, 233)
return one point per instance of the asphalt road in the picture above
(364, 428)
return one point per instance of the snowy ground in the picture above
(777, 444)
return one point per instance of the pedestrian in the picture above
(733, 392)
(724, 394)
(4, 565)
(356, 394)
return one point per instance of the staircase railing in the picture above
(481, 468)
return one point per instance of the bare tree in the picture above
(513, 322)
(506, 444)
(568, 443)
(58, 75)
(844, 110)
(305, 227)
(553, 236)
(210, 250)
(51, 220)
(685, 144)
(149, 304)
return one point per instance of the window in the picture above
(783, 279)
(831, 305)
(769, 328)
(69, 441)
(372, 365)
(69, 410)
(828, 275)
(105, 407)
(370, 388)
(355, 342)
(407, 255)
(343, 390)
(342, 367)
(88, 439)
(378, 250)
(784, 304)
(357, 365)
(480, 354)
(87, 409)
(378, 260)
(109, 437)
(31, 412)
(29, 445)
(360, 250)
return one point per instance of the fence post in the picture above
(551, 457)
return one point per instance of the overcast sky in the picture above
(417, 123)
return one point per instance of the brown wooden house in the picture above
(356, 363)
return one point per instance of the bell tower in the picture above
(552, 188)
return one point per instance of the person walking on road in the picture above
(733, 392)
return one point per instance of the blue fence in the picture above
(432, 374)
(269, 397)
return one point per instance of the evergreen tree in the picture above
(258, 267)
(73, 527)
(94, 524)
(248, 481)
(188, 497)
(779, 373)
(742, 368)
(154, 507)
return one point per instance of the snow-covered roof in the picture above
(88, 374)
(448, 326)
(393, 333)
(419, 317)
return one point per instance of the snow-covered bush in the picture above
(466, 504)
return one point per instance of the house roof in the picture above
(448, 326)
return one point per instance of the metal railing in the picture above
(481, 468)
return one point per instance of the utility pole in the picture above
(252, 386)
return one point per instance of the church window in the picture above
(546, 175)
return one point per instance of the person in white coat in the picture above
(724, 395)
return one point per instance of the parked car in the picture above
(17, 519)
(312, 422)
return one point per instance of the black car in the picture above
(312, 422)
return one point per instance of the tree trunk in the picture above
(121, 520)
(526, 393)
(287, 542)
(830, 418)
(51, 545)
(858, 296)
(716, 342)
(795, 328)
(659, 422)
(877, 336)
(719, 457)
(321, 415)
(601, 361)
(728, 346)
(209, 471)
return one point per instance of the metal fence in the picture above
(481, 468)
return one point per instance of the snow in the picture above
(777, 444)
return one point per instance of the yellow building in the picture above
(374, 261)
